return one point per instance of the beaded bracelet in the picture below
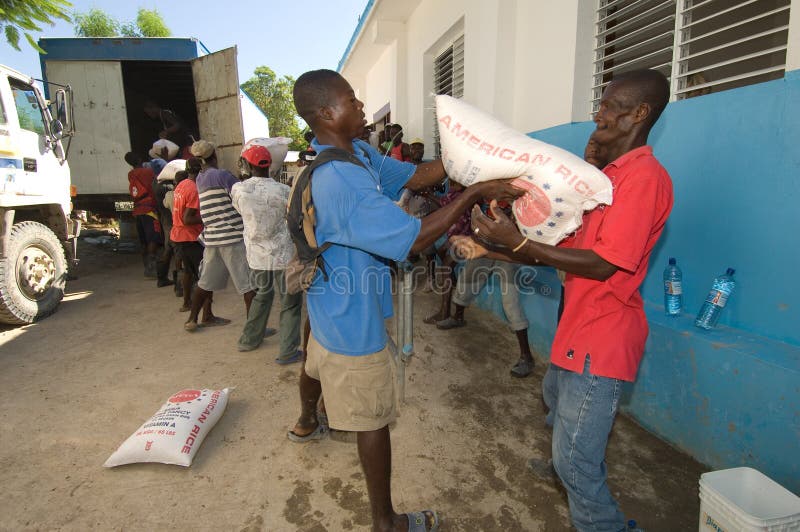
(524, 241)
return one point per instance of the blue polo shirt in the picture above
(355, 211)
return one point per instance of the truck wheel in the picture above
(32, 274)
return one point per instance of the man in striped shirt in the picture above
(224, 255)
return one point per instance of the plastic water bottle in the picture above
(720, 292)
(673, 293)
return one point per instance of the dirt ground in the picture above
(78, 383)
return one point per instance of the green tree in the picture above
(95, 23)
(273, 95)
(151, 24)
(25, 16)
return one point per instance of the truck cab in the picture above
(37, 234)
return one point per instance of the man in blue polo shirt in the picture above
(347, 355)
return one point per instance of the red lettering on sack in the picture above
(486, 147)
(184, 396)
(187, 447)
(540, 159)
(446, 121)
(563, 170)
(474, 141)
(581, 187)
(524, 158)
(458, 133)
(148, 445)
(507, 154)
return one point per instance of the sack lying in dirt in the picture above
(278, 148)
(175, 432)
(477, 147)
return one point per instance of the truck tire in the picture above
(32, 274)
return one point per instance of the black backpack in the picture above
(301, 219)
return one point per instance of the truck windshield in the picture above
(28, 110)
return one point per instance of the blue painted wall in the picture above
(730, 396)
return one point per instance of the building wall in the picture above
(381, 84)
(510, 61)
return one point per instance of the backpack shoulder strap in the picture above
(300, 213)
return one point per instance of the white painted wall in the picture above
(519, 62)
(381, 84)
(793, 48)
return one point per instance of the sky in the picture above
(287, 37)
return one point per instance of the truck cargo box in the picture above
(113, 78)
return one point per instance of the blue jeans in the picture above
(582, 410)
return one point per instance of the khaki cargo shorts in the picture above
(359, 391)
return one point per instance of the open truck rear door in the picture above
(219, 114)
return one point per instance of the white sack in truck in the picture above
(175, 432)
(278, 148)
(561, 186)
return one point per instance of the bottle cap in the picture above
(672, 261)
(730, 271)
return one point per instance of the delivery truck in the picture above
(37, 233)
(115, 79)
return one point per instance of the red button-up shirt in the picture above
(605, 319)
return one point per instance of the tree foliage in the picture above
(97, 23)
(273, 95)
(26, 16)
(151, 24)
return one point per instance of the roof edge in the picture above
(362, 20)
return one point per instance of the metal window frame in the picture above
(448, 71)
(683, 24)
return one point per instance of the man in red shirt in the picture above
(600, 338)
(186, 228)
(140, 186)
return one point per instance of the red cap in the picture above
(257, 156)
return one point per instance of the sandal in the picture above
(450, 323)
(432, 320)
(185, 308)
(317, 434)
(216, 321)
(522, 368)
(419, 521)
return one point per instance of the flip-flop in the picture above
(269, 331)
(185, 308)
(542, 469)
(190, 326)
(216, 321)
(431, 320)
(418, 521)
(317, 434)
(296, 357)
(522, 369)
(450, 323)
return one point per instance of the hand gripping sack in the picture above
(175, 432)
(477, 147)
(278, 148)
